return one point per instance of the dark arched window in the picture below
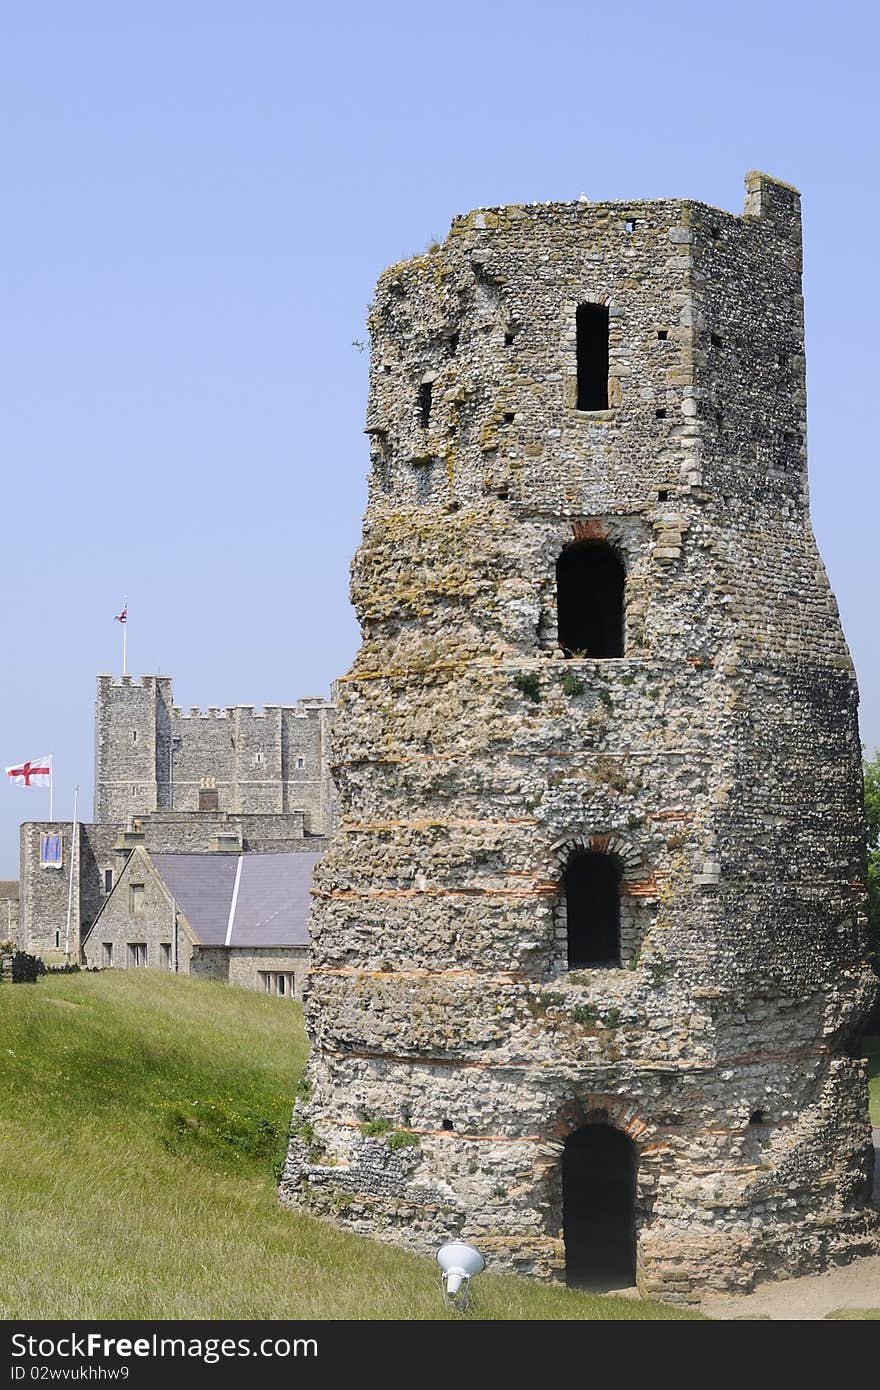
(589, 600)
(592, 910)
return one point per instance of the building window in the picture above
(589, 600)
(137, 953)
(165, 954)
(265, 981)
(135, 898)
(134, 735)
(592, 356)
(108, 880)
(57, 938)
(426, 393)
(107, 954)
(208, 798)
(591, 887)
(291, 986)
(300, 762)
(280, 984)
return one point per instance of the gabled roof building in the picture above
(241, 918)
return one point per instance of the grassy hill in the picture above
(142, 1119)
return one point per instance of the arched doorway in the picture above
(590, 586)
(598, 1208)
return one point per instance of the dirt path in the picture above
(814, 1296)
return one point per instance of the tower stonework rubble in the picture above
(463, 1034)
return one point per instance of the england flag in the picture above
(35, 773)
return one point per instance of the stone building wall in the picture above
(9, 911)
(717, 760)
(248, 966)
(152, 756)
(138, 917)
(103, 850)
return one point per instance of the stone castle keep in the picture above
(588, 947)
(233, 780)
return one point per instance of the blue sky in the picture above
(197, 200)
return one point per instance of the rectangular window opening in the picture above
(592, 356)
(426, 393)
(107, 954)
(137, 953)
(165, 954)
(135, 898)
(108, 880)
(662, 334)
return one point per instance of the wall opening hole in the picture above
(660, 414)
(509, 338)
(757, 1117)
(508, 417)
(598, 1209)
(663, 495)
(630, 224)
(447, 1124)
(715, 233)
(662, 334)
(715, 339)
(426, 394)
(592, 356)
(589, 600)
(452, 341)
(591, 885)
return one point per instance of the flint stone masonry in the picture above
(718, 759)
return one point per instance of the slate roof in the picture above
(270, 907)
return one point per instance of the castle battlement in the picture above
(146, 682)
(152, 755)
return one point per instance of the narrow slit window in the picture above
(426, 397)
(590, 600)
(592, 356)
(592, 910)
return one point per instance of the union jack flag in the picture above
(123, 616)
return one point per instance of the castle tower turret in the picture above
(132, 747)
(588, 948)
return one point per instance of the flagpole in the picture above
(125, 639)
(70, 880)
(51, 782)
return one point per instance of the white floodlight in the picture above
(458, 1265)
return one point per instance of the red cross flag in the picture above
(36, 773)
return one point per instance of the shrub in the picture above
(530, 686)
(572, 684)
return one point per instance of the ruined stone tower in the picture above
(588, 948)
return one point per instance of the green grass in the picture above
(872, 1047)
(143, 1118)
